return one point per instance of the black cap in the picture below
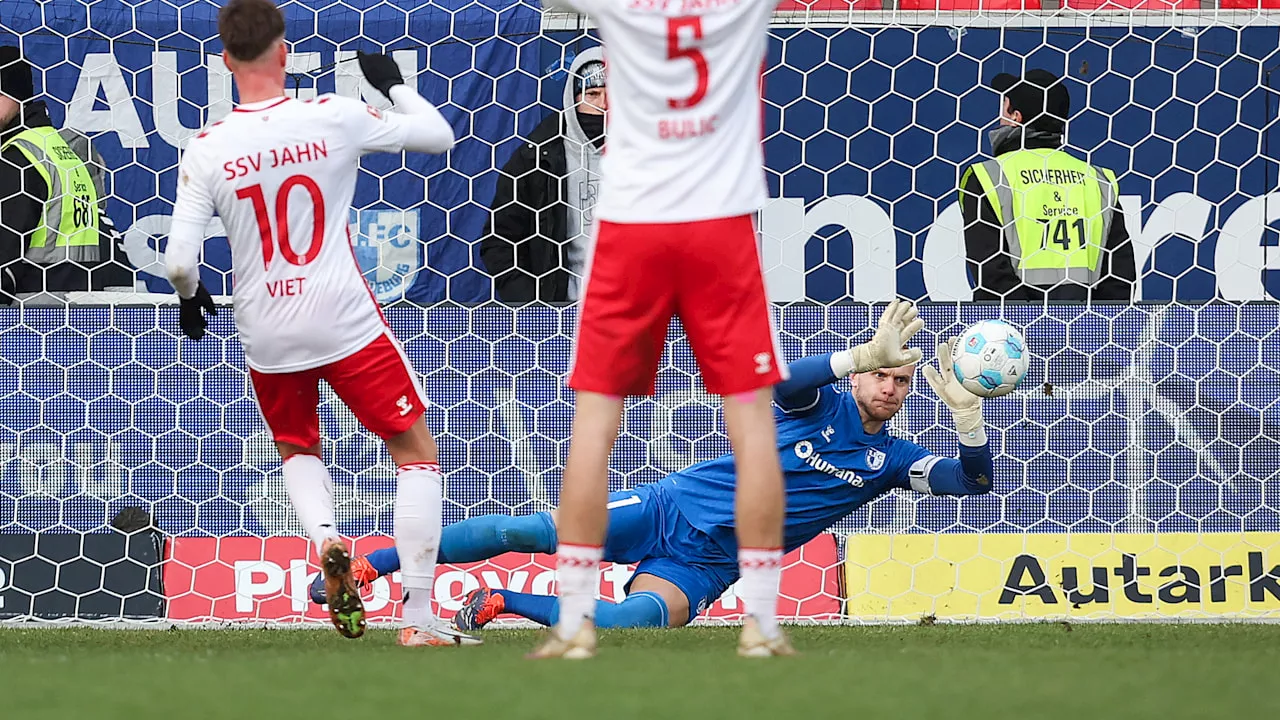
(590, 75)
(1039, 95)
(15, 75)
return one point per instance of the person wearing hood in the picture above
(535, 243)
(1040, 224)
(54, 235)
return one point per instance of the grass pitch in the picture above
(1026, 672)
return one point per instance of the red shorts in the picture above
(708, 274)
(376, 383)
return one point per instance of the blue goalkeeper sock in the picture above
(481, 538)
(385, 561)
(638, 610)
(642, 609)
(542, 609)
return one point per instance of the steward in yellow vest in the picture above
(1040, 223)
(54, 237)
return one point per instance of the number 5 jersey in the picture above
(685, 121)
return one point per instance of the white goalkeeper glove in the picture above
(966, 408)
(886, 349)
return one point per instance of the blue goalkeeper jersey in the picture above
(832, 467)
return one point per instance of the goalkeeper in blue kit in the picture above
(836, 456)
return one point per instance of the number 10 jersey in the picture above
(281, 174)
(685, 121)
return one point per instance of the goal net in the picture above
(1136, 471)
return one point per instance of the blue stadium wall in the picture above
(889, 114)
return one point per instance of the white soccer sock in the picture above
(577, 569)
(419, 498)
(311, 492)
(761, 569)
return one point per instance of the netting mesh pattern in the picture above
(1132, 418)
(869, 119)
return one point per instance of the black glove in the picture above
(381, 71)
(191, 313)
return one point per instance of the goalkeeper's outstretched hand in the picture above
(191, 312)
(381, 71)
(887, 348)
(966, 408)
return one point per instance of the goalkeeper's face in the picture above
(880, 393)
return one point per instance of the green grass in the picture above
(1028, 672)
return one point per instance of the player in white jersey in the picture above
(281, 174)
(682, 176)
(686, 145)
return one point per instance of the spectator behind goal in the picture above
(1040, 224)
(55, 236)
(535, 243)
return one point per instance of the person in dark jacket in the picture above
(54, 234)
(536, 241)
(1039, 224)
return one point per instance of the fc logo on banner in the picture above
(388, 249)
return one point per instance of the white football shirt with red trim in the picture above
(685, 116)
(282, 174)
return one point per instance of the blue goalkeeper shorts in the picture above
(647, 528)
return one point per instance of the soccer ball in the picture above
(990, 358)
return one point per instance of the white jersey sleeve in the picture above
(194, 201)
(374, 129)
(415, 125)
(192, 210)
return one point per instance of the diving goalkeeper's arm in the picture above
(799, 394)
(972, 474)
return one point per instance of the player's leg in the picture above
(664, 592)
(729, 323)
(288, 402)
(688, 570)
(378, 385)
(681, 571)
(624, 315)
(759, 507)
(418, 512)
(636, 528)
(583, 495)
(478, 538)
(658, 603)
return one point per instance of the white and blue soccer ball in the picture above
(990, 358)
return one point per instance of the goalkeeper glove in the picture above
(191, 312)
(381, 71)
(966, 408)
(887, 348)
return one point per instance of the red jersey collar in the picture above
(261, 105)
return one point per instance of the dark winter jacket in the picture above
(523, 246)
(991, 268)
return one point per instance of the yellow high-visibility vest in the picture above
(1055, 211)
(68, 229)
